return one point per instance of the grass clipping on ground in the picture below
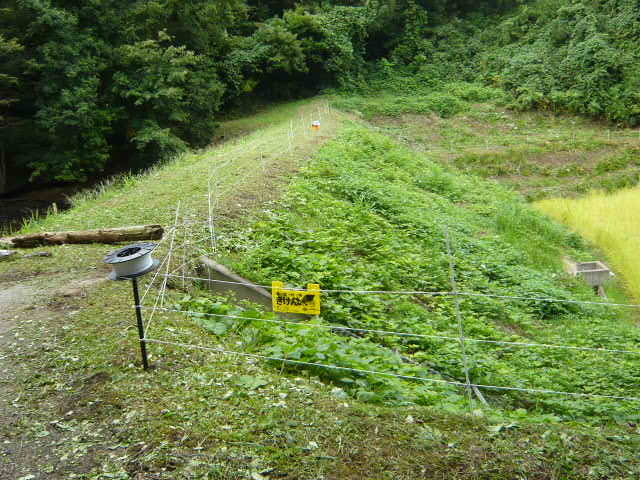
(609, 221)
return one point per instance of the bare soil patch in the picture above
(29, 449)
(13, 299)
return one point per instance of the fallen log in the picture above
(104, 235)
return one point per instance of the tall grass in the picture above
(611, 222)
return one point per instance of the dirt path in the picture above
(29, 449)
(13, 299)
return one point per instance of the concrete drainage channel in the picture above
(239, 287)
(594, 273)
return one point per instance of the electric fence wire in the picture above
(152, 315)
(442, 293)
(153, 279)
(158, 297)
(155, 276)
(174, 228)
(175, 246)
(454, 289)
(454, 293)
(388, 374)
(394, 333)
(185, 244)
(173, 237)
(194, 248)
(212, 232)
(166, 260)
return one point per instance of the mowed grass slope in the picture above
(238, 173)
(610, 221)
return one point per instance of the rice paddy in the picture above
(610, 221)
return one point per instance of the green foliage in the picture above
(115, 85)
(563, 55)
(105, 93)
(271, 426)
(439, 103)
(390, 94)
(301, 52)
(368, 214)
(9, 69)
(9, 50)
(260, 333)
(169, 93)
(119, 85)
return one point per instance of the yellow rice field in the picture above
(611, 222)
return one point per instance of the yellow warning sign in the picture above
(296, 301)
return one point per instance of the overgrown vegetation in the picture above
(117, 85)
(560, 55)
(200, 415)
(394, 95)
(72, 362)
(90, 88)
(471, 128)
(94, 87)
(369, 214)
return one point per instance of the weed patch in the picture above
(365, 213)
(443, 100)
(370, 214)
(538, 154)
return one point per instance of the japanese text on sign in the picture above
(296, 301)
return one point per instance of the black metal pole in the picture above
(143, 345)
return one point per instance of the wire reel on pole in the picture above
(129, 263)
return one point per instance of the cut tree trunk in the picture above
(106, 235)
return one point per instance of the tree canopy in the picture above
(88, 87)
(97, 86)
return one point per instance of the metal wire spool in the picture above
(131, 261)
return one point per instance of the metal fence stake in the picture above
(143, 345)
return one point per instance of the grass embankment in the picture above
(609, 221)
(241, 173)
(369, 214)
(364, 213)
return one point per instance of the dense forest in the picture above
(90, 87)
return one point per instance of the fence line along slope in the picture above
(243, 171)
(201, 414)
(368, 214)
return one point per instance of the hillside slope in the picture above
(562, 55)
(368, 214)
(472, 129)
